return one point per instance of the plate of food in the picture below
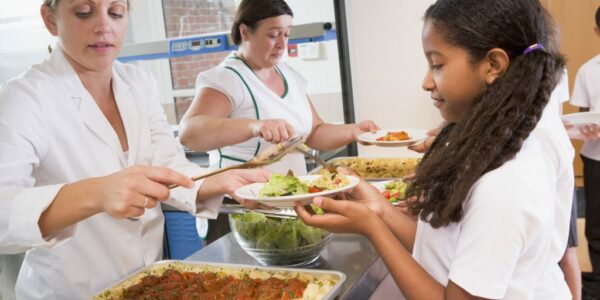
(393, 190)
(286, 190)
(393, 137)
(582, 118)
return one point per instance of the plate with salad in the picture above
(286, 190)
(393, 190)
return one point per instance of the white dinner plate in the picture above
(582, 118)
(380, 185)
(416, 135)
(250, 192)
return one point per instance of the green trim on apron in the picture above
(247, 65)
(221, 156)
(257, 114)
(285, 83)
(249, 91)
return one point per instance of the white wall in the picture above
(388, 65)
(142, 30)
(24, 39)
(323, 74)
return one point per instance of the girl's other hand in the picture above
(365, 193)
(129, 192)
(423, 146)
(272, 131)
(341, 216)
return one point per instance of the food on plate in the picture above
(262, 232)
(283, 185)
(287, 185)
(394, 136)
(328, 181)
(395, 190)
(178, 280)
(377, 168)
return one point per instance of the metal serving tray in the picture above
(375, 169)
(328, 292)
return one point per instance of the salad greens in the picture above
(287, 185)
(283, 185)
(395, 190)
(273, 233)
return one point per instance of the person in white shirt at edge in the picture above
(495, 189)
(586, 95)
(85, 147)
(252, 99)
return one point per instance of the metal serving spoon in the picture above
(266, 157)
(302, 148)
(281, 213)
(331, 167)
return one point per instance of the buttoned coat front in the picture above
(53, 133)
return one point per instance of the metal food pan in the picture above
(328, 283)
(373, 169)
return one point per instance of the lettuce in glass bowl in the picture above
(278, 241)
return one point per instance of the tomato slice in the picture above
(314, 189)
(386, 194)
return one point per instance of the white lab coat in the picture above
(52, 133)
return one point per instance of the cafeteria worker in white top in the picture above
(252, 99)
(84, 146)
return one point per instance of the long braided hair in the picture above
(500, 120)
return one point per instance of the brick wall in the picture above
(192, 17)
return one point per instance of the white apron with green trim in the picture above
(259, 102)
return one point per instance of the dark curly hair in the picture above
(251, 12)
(494, 129)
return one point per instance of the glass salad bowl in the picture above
(278, 241)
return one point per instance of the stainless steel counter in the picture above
(348, 253)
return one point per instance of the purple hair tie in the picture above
(533, 47)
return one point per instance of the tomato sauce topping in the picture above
(208, 285)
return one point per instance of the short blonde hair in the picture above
(52, 4)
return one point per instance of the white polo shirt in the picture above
(475, 252)
(559, 95)
(514, 227)
(586, 93)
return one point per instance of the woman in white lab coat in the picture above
(252, 99)
(84, 148)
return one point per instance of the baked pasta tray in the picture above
(314, 284)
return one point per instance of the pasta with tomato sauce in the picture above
(183, 281)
